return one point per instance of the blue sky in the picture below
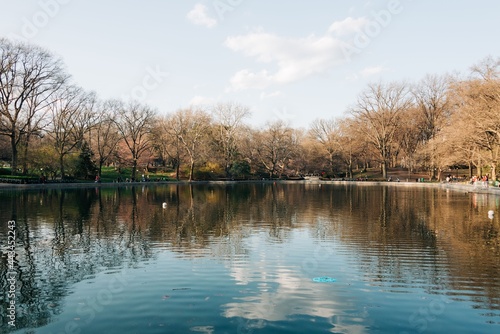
(290, 60)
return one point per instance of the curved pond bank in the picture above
(478, 188)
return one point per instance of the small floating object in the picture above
(491, 213)
(324, 279)
(164, 205)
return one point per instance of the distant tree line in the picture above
(50, 126)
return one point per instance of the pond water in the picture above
(243, 258)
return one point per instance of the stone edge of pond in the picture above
(451, 186)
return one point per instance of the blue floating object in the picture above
(324, 279)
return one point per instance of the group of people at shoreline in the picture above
(480, 181)
(477, 181)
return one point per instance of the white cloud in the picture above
(246, 79)
(199, 16)
(348, 26)
(295, 58)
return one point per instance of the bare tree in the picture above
(29, 77)
(167, 133)
(191, 127)
(433, 105)
(377, 113)
(73, 115)
(351, 145)
(433, 109)
(274, 147)
(326, 133)
(307, 156)
(228, 121)
(105, 133)
(134, 123)
(409, 139)
(487, 69)
(456, 144)
(478, 104)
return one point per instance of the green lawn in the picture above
(111, 174)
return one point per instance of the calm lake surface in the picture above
(242, 259)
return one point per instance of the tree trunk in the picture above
(409, 169)
(14, 153)
(25, 161)
(177, 171)
(99, 172)
(191, 171)
(433, 173)
(331, 162)
(25, 155)
(134, 169)
(493, 176)
(470, 170)
(61, 165)
(384, 169)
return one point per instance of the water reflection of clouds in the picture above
(280, 292)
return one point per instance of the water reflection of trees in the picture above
(60, 242)
(424, 235)
(67, 236)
